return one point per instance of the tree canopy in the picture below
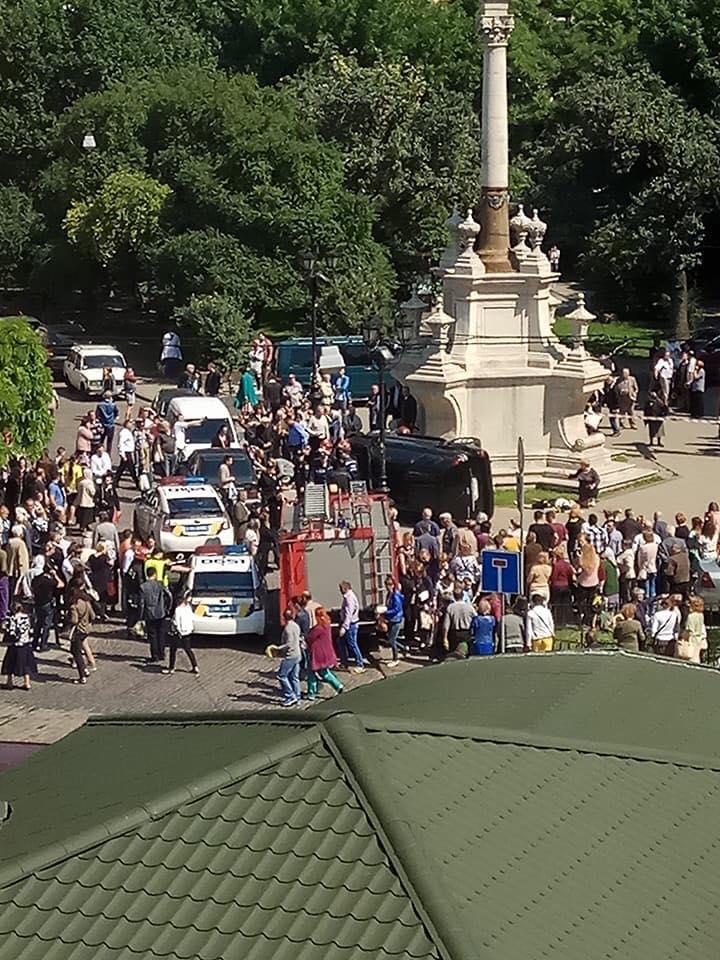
(231, 136)
(26, 424)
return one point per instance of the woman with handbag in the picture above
(19, 659)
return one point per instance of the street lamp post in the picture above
(382, 352)
(313, 278)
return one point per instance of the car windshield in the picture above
(203, 431)
(208, 466)
(225, 583)
(101, 360)
(194, 507)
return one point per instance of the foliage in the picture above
(629, 170)
(409, 145)
(26, 423)
(219, 327)
(252, 185)
(122, 216)
(20, 228)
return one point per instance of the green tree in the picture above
(409, 145)
(26, 423)
(630, 171)
(122, 216)
(20, 229)
(252, 185)
(218, 327)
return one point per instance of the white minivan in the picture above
(203, 418)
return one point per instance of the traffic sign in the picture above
(500, 571)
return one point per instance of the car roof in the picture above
(307, 341)
(221, 562)
(169, 392)
(175, 491)
(196, 406)
(218, 453)
(98, 348)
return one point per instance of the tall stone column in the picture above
(495, 25)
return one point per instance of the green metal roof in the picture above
(555, 806)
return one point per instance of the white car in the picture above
(227, 593)
(203, 418)
(182, 514)
(83, 368)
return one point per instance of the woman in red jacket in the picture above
(321, 654)
(562, 580)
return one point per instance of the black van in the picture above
(452, 476)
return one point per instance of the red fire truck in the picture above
(348, 537)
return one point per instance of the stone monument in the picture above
(485, 362)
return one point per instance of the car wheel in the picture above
(83, 390)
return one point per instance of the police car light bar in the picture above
(181, 481)
(210, 550)
(237, 549)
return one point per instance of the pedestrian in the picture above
(108, 382)
(693, 641)
(126, 453)
(100, 568)
(349, 627)
(554, 258)
(663, 373)
(512, 627)
(627, 391)
(107, 415)
(628, 633)
(482, 631)
(170, 354)
(588, 483)
(43, 587)
(611, 399)
(290, 648)
(80, 616)
(341, 389)
(697, 392)
(626, 570)
(322, 658)
(539, 576)
(395, 618)
(456, 625)
(155, 602)
(85, 502)
(130, 390)
(246, 392)
(655, 411)
(19, 660)
(212, 381)
(180, 633)
(375, 405)
(646, 563)
(664, 628)
(561, 584)
(540, 626)
(189, 379)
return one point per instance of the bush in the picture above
(219, 329)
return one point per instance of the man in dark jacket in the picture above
(212, 381)
(107, 414)
(155, 600)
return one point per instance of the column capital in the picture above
(496, 30)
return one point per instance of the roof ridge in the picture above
(227, 717)
(52, 853)
(441, 728)
(343, 733)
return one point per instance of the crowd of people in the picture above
(67, 560)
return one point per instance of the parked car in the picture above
(83, 368)
(206, 463)
(182, 515)
(163, 398)
(203, 417)
(295, 356)
(446, 475)
(58, 340)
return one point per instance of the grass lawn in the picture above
(505, 496)
(604, 337)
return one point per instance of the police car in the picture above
(182, 513)
(227, 593)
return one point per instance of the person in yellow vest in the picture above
(161, 565)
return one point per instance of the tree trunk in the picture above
(681, 324)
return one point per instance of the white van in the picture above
(203, 417)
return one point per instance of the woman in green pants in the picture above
(321, 654)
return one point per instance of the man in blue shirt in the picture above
(298, 436)
(341, 387)
(107, 414)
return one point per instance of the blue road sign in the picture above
(500, 571)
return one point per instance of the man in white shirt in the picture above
(126, 451)
(640, 537)
(540, 632)
(664, 626)
(179, 429)
(663, 372)
(100, 463)
(319, 425)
